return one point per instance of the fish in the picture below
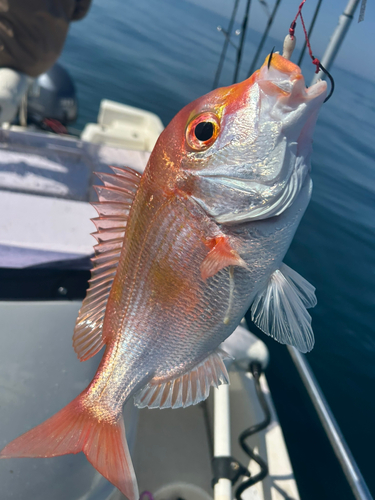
(183, 251)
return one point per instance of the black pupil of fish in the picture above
(204, 131)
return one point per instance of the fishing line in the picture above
(292, 28)
(317, 8)
(315, 60)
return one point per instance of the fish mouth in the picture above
(283, 79)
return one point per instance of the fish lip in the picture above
(297, 87)
(317, 89)
(287, 77)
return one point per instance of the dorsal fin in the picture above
(115, 200)
(188, 389)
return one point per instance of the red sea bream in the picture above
(183, 251)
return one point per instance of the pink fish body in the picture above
(182, 253)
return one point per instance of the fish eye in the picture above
(202, 131)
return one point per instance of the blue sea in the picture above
(161, 55)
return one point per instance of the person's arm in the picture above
(82, 6)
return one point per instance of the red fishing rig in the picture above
(289, 44)
(291, 33)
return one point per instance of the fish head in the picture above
(246, 148)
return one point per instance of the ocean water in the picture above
(161, 55)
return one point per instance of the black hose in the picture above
(256, 370)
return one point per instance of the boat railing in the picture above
(254, 360)
(331, 427)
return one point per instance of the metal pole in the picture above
(337, 440)
(337, 38)
(223, 488)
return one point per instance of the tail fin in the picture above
(72, 430)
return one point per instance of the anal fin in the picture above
(188, 389)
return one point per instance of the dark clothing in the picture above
(33, 32)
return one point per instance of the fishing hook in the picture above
(270, 58)
(326, 72)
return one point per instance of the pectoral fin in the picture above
(220, 256)
(304, 289)
(280, 309)
(188, 389)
